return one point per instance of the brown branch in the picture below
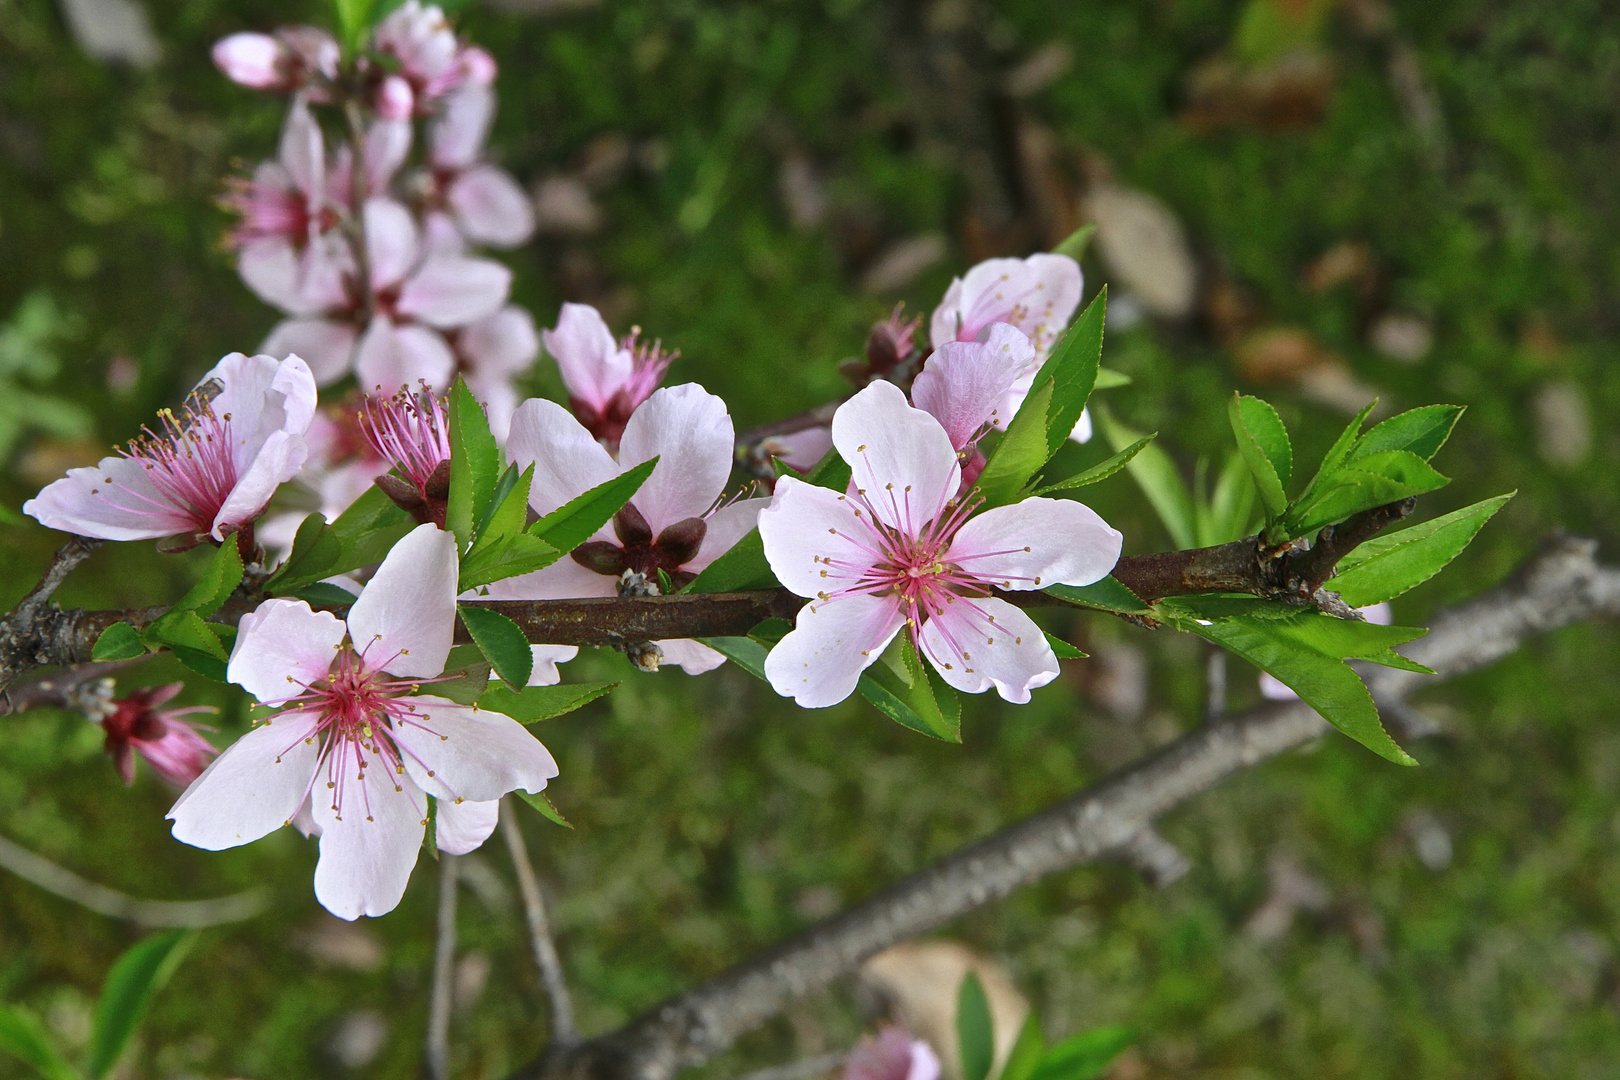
(1560, 586)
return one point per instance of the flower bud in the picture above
(254, 60)
(478, 67)
(395, 99)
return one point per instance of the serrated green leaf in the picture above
(1229, 513)
(509, 556)
(1263, 441)
(1336, 453)
(1374, 480)
(120, 641)
(1027, 1051)
(502, 641)
(475, 463)
(1422, 431)
(1074, 245)
(975, 1033)
(470, 673)
(24, 1037)
(325, 594)
(1159, 480)
(1021, 451)
(1109, 379)
(542, 802)
(1084, 1056)
(741, 568)
(1102, 470)
(533, 704)
(905, 690)
(1387, 566)
(746, 653)
(1062, 649)
(127, 995)
(219, 579)
(508, 506)
(315, 554)
(831, 471)
(576, 521)
(1109, 594)
(1072, 367)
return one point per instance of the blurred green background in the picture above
(1417, 202)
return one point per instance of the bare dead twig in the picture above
(441, 1000)
(564, 1032)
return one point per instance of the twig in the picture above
(1160, 861)
(800, 1070)
(444, 964)
(114, 904)
(564, 1031)
(1562, 585)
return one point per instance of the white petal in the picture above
(504, 343)
(591, 363)
(405, 619)
(899, 457)
(457, 751)
(325, 344)
(388, 142)
(491, 207)
(463, 125)
(282, 647)
(947, 317)
(692, 657)
(964, 383)
(724, 528)
(115, 500)
(252, 789)
(1037, 543)
(462, 826)
(1038, 295)
(452, 290)
(546, 658)
(567, 461)
(977, 644)
(303, 152)
(392, 356)
(819, 663)
(392, 243)
(688, 430)
(278, 461)
(368, 852)
(814, 540)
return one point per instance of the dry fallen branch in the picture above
(1564, 584)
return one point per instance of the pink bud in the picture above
(395, 99)
(477, 65)
(254, 60)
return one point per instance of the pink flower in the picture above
(416, 294)
(290, 60)
(606, 380)
(490, 354)
(900, 550)
(1038, 295)
(412, 433)
(673, 523)
(485, 203)
(892, 1055)
(430, 58)
(968, 386)
(354, 752)
(206, 472)
(171, 745)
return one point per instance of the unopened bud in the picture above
(255, 60)
(395, 99)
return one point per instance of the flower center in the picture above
(410, 431)
(189, 461)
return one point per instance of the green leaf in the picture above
(1263, 441)
(1337, 452)
(475, 463)
(353, 19)
(1072, 367)
(741, 568)
(502, 641)
(1421, 431)
(470, 673)
(831, 471)
(1101, 471)
(1074, 245)
(542, 802)
(506, 557)
(325, 594)
(1105, 595)
(1020, 452)
(220, 578)
(315, 554)
(1229, 511)
(127, 995)
(194, 643)
(508, 506)
(120, 641)
(1307, 653)
(908, 692)
(746, 653)
(1027, 1052)
(1387, 566)
(575, 522)
(535, 703)
(1384, 477)
(975, 1035)
(1156, 475)
(1084, 1056)
(1062, 649)
(1109, 379)
(25, 1038)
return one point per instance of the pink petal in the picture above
(546, 658)
(263, 396)
(899, 457)
(491, 207)
(833, 641)
(277, 461)
(392, 243)
(456, 751)
(388, 142)
(368, 853)
(390, 357)
(1037, 543)
(450, 290)
(281, 647)
(1038, 295)
(567, 461)
(395, 101)
(688, 430)
(252, 60)
(463, 125)
(405, 619)
(692, 657)
(303, 152)
(964, 384)
(441, 235)
(504, 343)
(112, 501)
(252, 789)
(460, 826)
(725, 527)
(327, 346)
(591, 363)
(977, 644)
(802, 449)
(947, 317)
(272, 269)
(813, 539)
